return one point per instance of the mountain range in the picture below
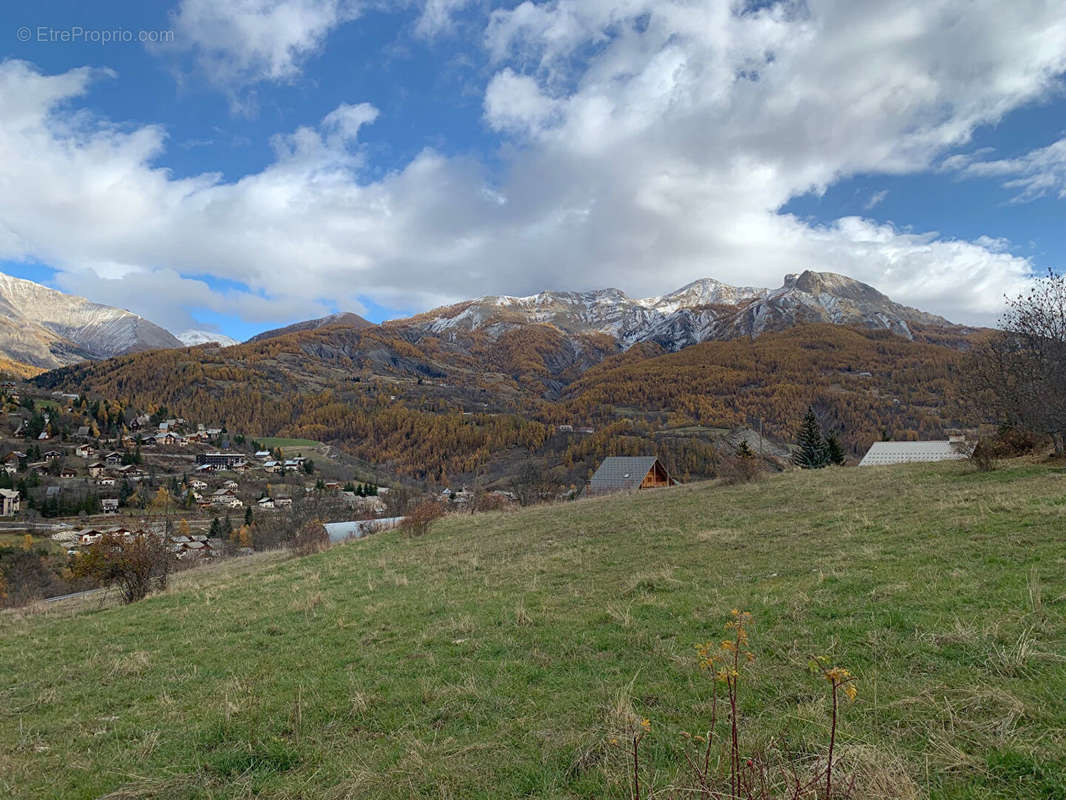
(705, 310)
(44, 328)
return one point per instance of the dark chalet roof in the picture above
(618, 473)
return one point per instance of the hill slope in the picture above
(489, 658)
(344, 319)
(46, 328)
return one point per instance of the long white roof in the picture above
(908, 452)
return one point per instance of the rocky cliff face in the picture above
(702, 311)
(47, 328)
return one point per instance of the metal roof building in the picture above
(619, 473)
(909, 452)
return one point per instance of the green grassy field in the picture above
(270, 442)
(495, 657)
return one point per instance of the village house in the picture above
(109, 505)
(12, 461)
(68, 472)
(266, 503)
(84, 451)
(226, 498)
(83, 432)
(113, 459)
(107, 480)
(52, 455)
(130, 472)
(96, 469)
(623, 473)
(89, 537)
(10, 502)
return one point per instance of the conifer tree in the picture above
(811, 451)
(834, 452)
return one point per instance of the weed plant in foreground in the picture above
(769, 773)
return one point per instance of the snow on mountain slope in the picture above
(703, 310)
(194, 338)
(47, 328)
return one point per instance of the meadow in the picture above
(502, 654)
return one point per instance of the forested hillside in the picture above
(475, 406)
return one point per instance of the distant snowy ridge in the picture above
(703, 310)
(194, 338)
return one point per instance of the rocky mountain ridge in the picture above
(46, 328)
(704, 310)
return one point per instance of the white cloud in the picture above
(1032, 175)
(649, 143)
(876, 199)
(516, 104)
(438, 16)
(244, 42)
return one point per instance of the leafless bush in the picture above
(740, 467)
(1011, 442)
(136, 564)
(418, 521)
(490, 501)
(980, 454)
(310, 538)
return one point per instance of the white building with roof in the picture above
(882, 453)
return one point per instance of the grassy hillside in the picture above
(493, 658)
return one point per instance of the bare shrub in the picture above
(490, 501)
(980, 454)
(418, 521)
(1011, 442)
(743, 466)
(136, 564)
(310, 538)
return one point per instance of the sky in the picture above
(237, 166)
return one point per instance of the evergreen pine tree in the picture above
(811, 451)
(216, 528)
(834, 452)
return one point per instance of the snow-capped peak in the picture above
(194, 337)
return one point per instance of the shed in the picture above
(621, 473)
(881, 453)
